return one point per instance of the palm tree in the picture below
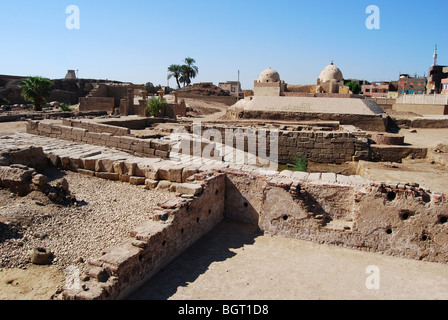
(175, 71)
(185, 77)
(37, 90)
(190, 69)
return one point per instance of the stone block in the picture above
(151, 184)
(189, 188)
(164, 185)
(188, 172)
(108, 175)
(137, 180)
(86, 172)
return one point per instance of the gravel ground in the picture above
(103, 216)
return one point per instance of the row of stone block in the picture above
(96, 127)
(148, 148)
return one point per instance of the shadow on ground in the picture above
(216, 246)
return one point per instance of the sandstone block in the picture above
(151, 184)
(189, 188)
(137, 180)
(108, 175)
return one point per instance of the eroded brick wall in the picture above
(402, 220)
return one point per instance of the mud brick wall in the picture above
(142, 147)
(151, 246)
(402, 220)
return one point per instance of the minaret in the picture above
(434, 61)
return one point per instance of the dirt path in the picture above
(235, 262)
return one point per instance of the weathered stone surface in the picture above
(40, 256)
(151, 184)
(189, 188)
(137, 180)
(17, 179)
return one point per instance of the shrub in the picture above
(155, 106)
(65, 107)
(300, 163)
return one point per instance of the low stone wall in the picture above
(383, 153)
(10, 117)
(142, 147)
(96, 127)
(317, 146)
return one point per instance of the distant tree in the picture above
(190, 69)
(151, 89)
(185, 78)
(183, 73)
(175, 71)
(37, 90)
(354, 87)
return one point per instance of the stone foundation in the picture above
(101, 135)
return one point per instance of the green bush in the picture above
(155, 106)
(300, 163)
(65, 107)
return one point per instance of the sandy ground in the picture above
(236, 262)
(429, 176)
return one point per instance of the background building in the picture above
(411, 85)
(269, 84)
(444, 86)
(330, 80)
(234, 87)
(376, 89)
(436, 75)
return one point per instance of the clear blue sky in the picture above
(137, 40)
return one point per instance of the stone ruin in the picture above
(402, 219)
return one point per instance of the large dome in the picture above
(331, 72)
(269, 75)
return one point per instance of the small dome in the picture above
(331, 72)
(269, 75)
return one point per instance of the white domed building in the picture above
(330, 79)
(269, 84)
